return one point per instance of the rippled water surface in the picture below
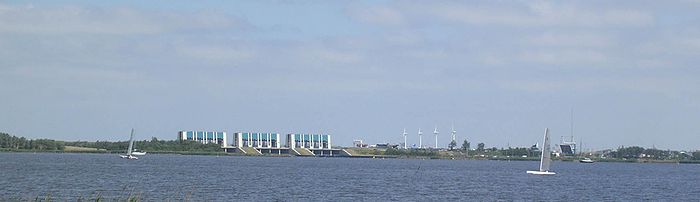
(224, 178)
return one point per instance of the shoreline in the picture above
(360, 156)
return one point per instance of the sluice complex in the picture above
(296, 144)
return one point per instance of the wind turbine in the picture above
(436, 134)
(420, 139)
(404, 139)
(454, 133)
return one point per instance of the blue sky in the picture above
(501, 71)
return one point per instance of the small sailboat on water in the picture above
(586, 160)
(545, 159)
(129, 154)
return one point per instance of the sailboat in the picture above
(586, 160)
(131, 146)
(545, 160)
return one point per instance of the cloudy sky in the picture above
(501, 71)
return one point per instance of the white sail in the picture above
(129, 152)
(131, 143)
(545, 160)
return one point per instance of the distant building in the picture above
(204, 137)
(257, 140)
(358, 143)
(566, 149)
(309, 141)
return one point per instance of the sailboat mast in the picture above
(545, 158)
(572, 124)
(131, 143)
(580, 147)
(575, 147)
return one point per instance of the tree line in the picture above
(150, 145)
(411, 152)
(11, 142)
(636, 152)
(20, 143)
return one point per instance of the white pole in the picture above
(436, 135)
(404, 142)
(404, 139)
(420, 139)
(454, 132)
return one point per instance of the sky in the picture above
(499, 71)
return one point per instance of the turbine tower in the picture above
(436, 134)
(420, 139)
(454, 133)
(404, 139)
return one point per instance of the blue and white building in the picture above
(309, 141)
(204, 137)
(257, 140)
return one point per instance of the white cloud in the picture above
(77, 20)
(92, 82)
(690, 46)
(659, 85)
(537, 14)
(564, 58)
(571, 39)
(404, 38)
(216, 54)
(378, 15)
(322, 55)
(492, 59)
(668, 51)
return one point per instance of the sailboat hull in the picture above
(128, 157)
(534, 172)
(131, 146)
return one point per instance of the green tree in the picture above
(452, 144)
(465, 145)
(515, 151)
(392, 151)
(628, 152)
(696, 155)
(480, 147)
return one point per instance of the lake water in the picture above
(225, 178)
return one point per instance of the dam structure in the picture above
(204, 137)
(296, 144)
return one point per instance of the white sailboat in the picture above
(545, 159)
(586, 160)
(131, 146)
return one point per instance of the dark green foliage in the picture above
(21, 143)
(628, 152)
(636, 152)
(452, 145)
(392, 151)
(480, 147)
(153, 145)
(696, 155)
(8, 142)
(518, 151)
(657, 153)
(410, 152)
(465, 145)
